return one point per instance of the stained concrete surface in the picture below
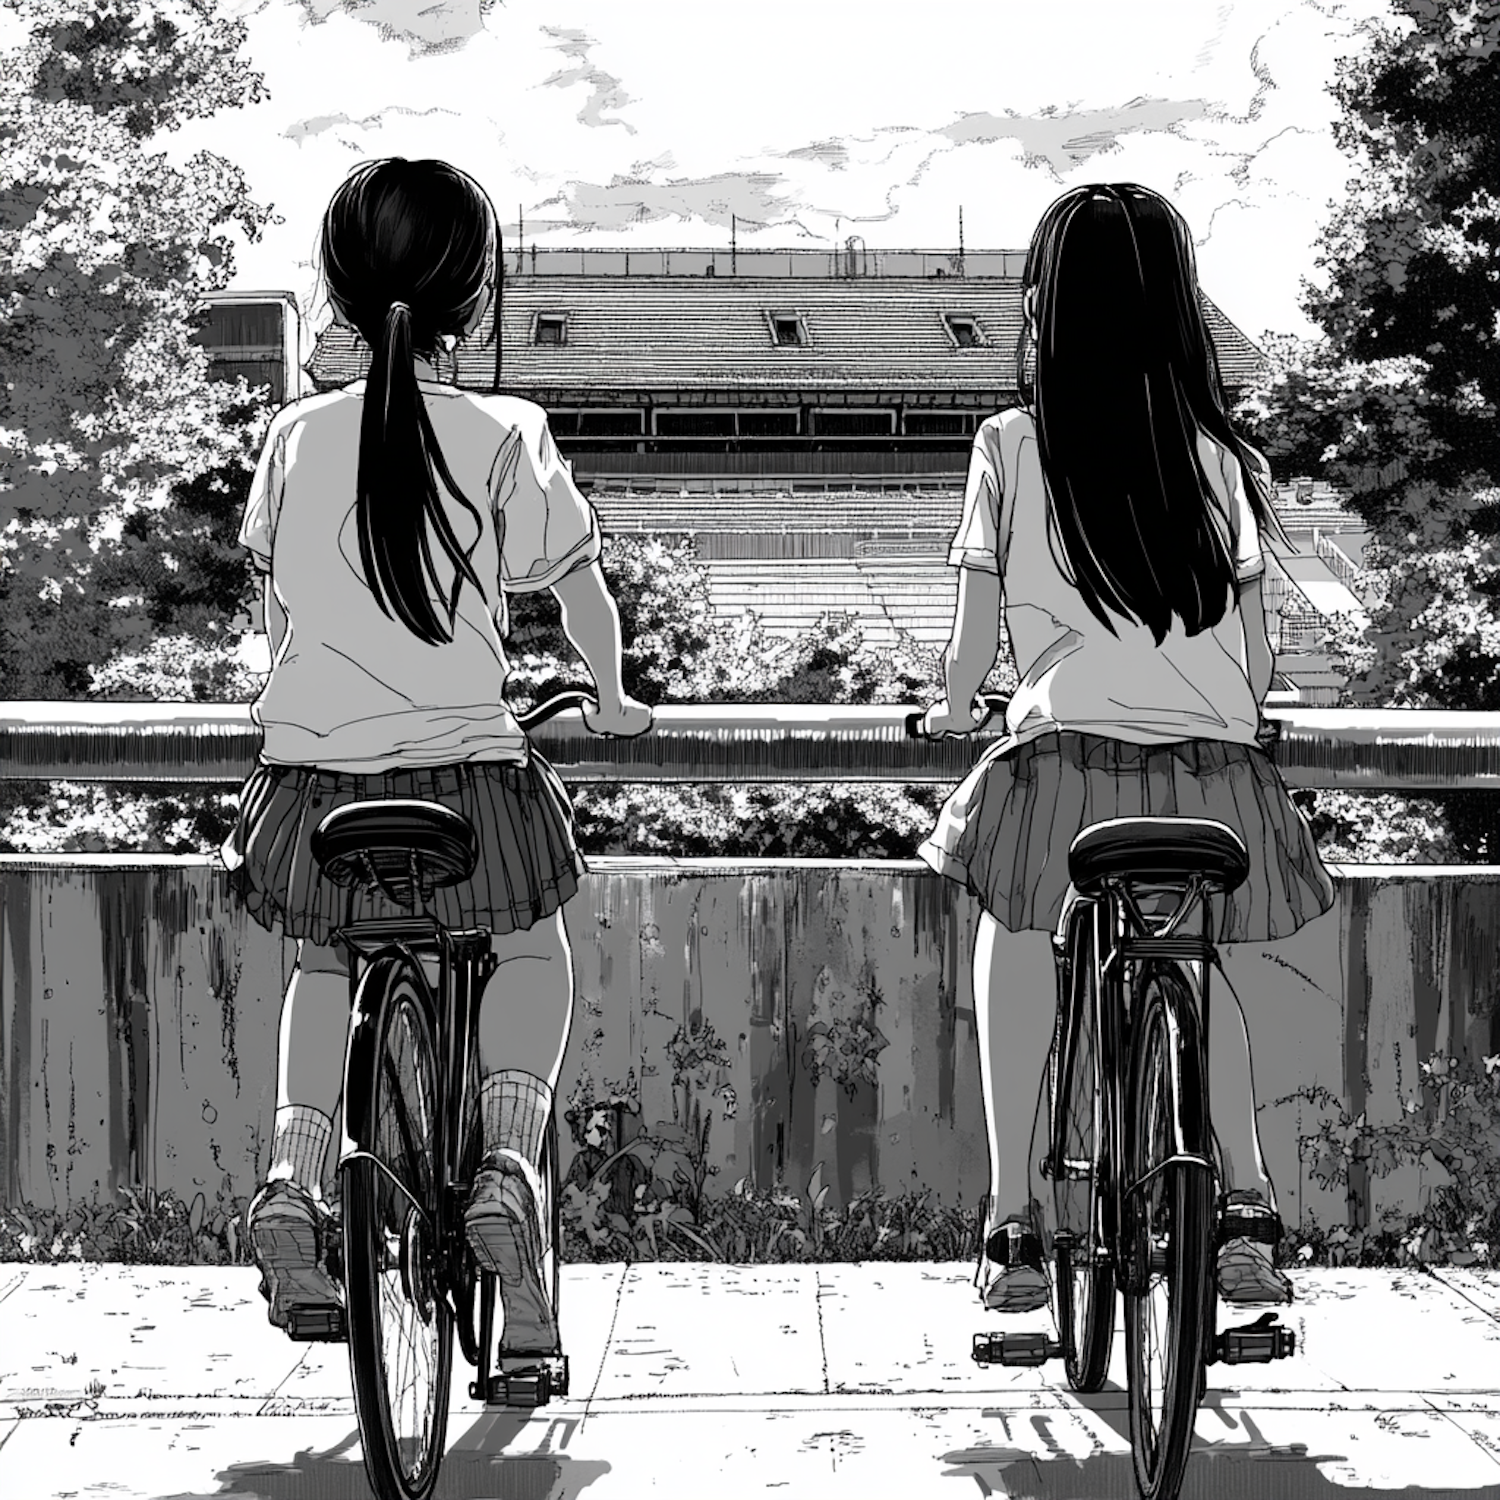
(691, 1380)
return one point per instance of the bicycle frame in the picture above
(1121, 940)
(464, 965)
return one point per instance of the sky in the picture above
(652, 122)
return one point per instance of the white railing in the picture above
(1366, 749)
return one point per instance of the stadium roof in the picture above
(611, 335)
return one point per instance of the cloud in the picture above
(442, 26)
(833, 154)
(1064, 139)
(605, 89)
(751, 198)
(301, 130)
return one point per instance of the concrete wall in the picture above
(138, 1011)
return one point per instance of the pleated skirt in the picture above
(528, 866)
(1005, 831)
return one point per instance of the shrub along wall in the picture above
(756, 1019)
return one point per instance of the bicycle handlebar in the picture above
(552, 705)
(992, 703)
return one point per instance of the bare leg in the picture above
(1015, 990)
(1231, 1088)
(314, 1028)
(528, 1004)
(309, 1074)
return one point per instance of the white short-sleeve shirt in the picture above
(1075, 674)
(351, 688)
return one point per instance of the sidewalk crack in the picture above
(822, 1340)
(609, 1343)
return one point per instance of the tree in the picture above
(119, 459)
(1398, 404)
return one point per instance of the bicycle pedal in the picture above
(317, 1323)
(1256, 1343)
(1014, 1349)
(528, 1385)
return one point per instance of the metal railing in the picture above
(1354, 749)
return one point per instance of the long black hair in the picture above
(1125, 378)
(408, 249)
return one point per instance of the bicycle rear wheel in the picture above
(1168, 1234)
(1085, 1279)
(400, 1323)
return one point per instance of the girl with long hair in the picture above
(1121, 518)
(391, 518)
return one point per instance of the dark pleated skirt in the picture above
(529, 862)
(1005, 832)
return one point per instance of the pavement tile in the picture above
(894, 1328)
(685, 1329)
(320, 1381)
(85, 1330)
(1368, 1328)
(1075, 1453)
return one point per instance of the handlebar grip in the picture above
(554, 704)
(992, 703)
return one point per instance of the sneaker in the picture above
(504, 1226)
(293, 1238)
(1247, 1274)
(1011, 1277)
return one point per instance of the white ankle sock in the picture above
(299, 1144)
(514, 1108)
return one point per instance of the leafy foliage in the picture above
(147, 1228)
(118, 456)
(1398, 403)
(1450, 1128)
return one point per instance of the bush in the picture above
(147, 1228)
(1450, 1128)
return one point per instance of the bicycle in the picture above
(1130, 1155)
(411, 1146)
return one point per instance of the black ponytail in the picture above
(409, 249)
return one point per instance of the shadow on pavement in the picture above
(1252, 1469)
(476, 1467)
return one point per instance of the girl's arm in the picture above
(1260, 660)
(591, 621)
(970, 655)
(275, 618)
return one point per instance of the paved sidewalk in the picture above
(722, 1382)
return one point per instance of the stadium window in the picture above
(938, 424)
(964, 330)
(787, 329)
(551, 328)
(695, 424)
(768, 423)
(844, 424)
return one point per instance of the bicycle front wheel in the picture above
(1085, 1279)
(1168, 1234)
(400, 1323)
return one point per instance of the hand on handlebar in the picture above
(624, 719)
(943, 718)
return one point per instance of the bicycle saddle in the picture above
(1168, 849)
(389, 839)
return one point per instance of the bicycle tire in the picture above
(400, 1322)
(1084, 1275)
(1169, 1236)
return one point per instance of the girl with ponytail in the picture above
(390, 519)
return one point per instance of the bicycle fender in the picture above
(1190, 1138)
